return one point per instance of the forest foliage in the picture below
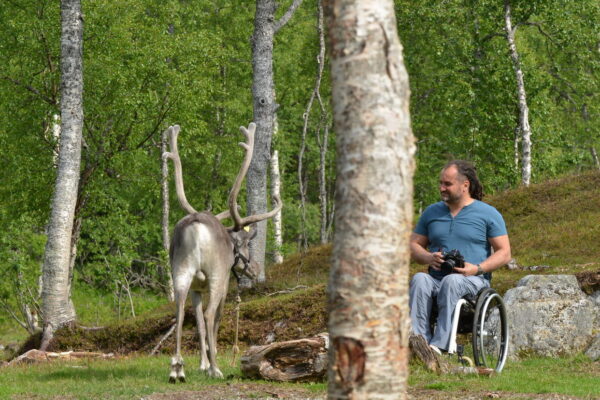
(150, 64)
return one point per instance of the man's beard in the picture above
(449, 197)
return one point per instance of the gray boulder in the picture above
(595, 297)
(593, 351)
(549, 315)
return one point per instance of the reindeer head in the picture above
(238, 233)
(244, 265)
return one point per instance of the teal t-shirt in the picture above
(468, 231)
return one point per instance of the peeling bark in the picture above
(369, 323)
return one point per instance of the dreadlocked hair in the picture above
(468, 171)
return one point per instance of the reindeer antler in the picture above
(239, 222)
(173, 132)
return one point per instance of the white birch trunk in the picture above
(56, 135)
(263, 102)
(369, 323)
(323, 141)
(516, 147)
(165, 211)
(323, 184)
(276, 191)
(55, 291)
(523, 109)
(264, 108)
(595, 157)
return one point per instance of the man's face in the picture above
(452, 186)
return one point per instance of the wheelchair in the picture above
(484, 317)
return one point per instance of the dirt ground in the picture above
(254, 391)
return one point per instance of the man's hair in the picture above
(468, 171)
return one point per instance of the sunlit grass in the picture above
(127, 378)
(574, 376)
(135, 377)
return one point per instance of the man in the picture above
(460, 221)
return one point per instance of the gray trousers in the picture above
(423, 288)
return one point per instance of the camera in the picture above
(452, 259)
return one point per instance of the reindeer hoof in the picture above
(182, 379)
(172, 379)
(215, 373)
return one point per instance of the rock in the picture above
(549, 315)
(512, 264)
(593, 351)
(536, 267)
(595, 297)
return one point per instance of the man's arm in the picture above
(419, 253)
(501, 256)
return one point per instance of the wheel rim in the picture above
(492, 329)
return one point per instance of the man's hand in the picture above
(436, 259)
(468, 270)
(418, 251)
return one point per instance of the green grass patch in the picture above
(128, 378)
(574, 376)
(136, 377)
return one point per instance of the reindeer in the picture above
(203, 253)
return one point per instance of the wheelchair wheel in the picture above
(490, 331)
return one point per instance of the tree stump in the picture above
(291, 361)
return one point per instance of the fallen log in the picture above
(300, 360)
(36, 356)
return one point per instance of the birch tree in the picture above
(524, 128)
(263, 103)
(56, 305)
(164, 183)
(368, 285)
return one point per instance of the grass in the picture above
(573, 376)
(127, 378)
(135, 377)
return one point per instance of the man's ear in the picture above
(467, 184)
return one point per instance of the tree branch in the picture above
(539, 27)
(12, 314)
(33, 90)
(281, 22)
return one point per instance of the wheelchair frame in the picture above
(489, 329)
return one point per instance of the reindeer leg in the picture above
(197, 301)
(209, 317)
(220, 309)
(177, 372)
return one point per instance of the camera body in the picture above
(452, 259)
